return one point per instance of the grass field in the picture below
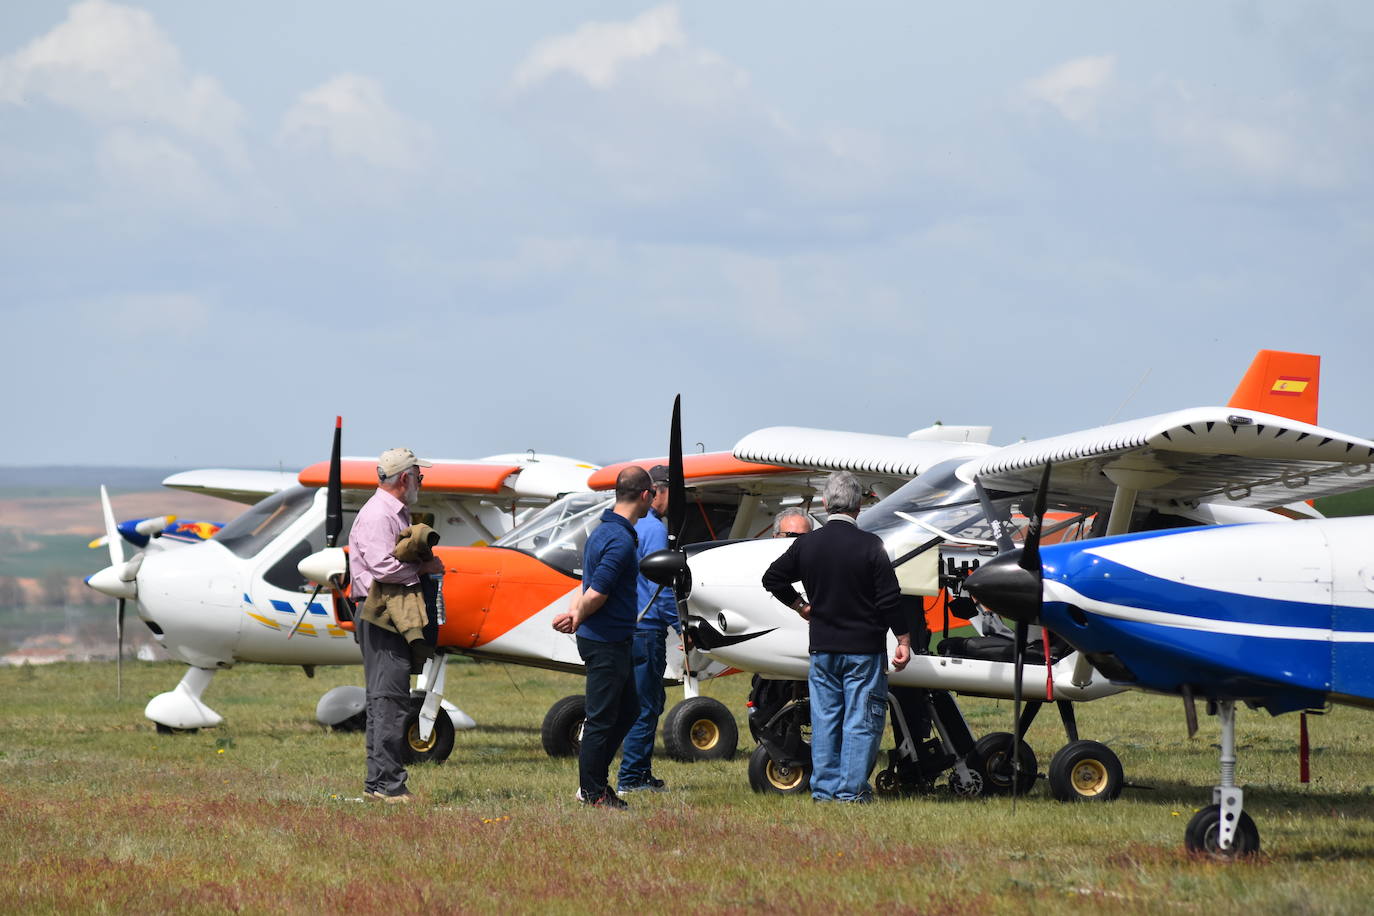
(99, 813)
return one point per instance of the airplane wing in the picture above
(237, 485)
(524, 481)
(1198, 455)
(882, 463)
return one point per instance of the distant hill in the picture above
(78, 480)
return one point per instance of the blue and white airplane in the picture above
(1277, 616)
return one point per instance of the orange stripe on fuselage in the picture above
(1282, 384)
(694, 468)
(485, 479)
(488, 591)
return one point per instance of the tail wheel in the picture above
(700, 729)
(1085, 771)
(437, 749)
(561, 732)
(768, 776)
(991, 758)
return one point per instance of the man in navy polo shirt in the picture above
(603, 617)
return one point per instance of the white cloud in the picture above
(1075, 88)
(145, 171)
(113, 64)
(597, 51)
(350, 117)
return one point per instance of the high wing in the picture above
(238, 485)
(485, 495)
(882, 463)
(1180, 459)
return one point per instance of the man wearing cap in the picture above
(386, 655)
(656, 615)
(603, 617)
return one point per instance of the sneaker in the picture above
(607, 799)
(649, 785)
(404, 798)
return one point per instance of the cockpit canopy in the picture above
(557, 533)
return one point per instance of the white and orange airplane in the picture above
(238, 597)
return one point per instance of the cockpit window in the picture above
(557, 533)
(939, 504)
(255, 529)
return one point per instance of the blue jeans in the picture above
(612, 704)
(637, 753)
(848, 710)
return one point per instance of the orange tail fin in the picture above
(1283, 384)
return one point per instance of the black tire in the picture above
(168, 730)
(768, 777)
(700, 729)
(1085, 771)
(440, 744)
(1201, 835)
(354, 723)
(561, 732)
(991, 759)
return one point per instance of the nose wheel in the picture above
(1223, 830)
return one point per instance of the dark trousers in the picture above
(612, 705)
(386, 670)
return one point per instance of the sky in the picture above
(474, 228)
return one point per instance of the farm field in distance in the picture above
(98, 812)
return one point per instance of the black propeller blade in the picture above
(668, 568)
(1011, 585)
(333, 513)
(119, 650)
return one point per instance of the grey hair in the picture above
(385, 481)
(843, 493)
(794, 511)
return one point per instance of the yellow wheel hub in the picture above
(705, 734)
(413, 736)
(784, 778)
(1089, 777)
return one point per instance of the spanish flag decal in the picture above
(1290, 386)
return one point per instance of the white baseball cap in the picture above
(396, 460)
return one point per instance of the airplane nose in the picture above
(119, 580)
(1005, 587)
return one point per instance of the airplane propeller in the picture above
(668, 568)
(333, 513)
(118, 580)
(1011, 584)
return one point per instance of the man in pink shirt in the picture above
(386, 655)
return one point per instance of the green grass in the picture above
(99, 813)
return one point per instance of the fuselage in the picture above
(1279, 614)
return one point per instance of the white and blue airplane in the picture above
(1279, 617)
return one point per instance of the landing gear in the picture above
(767, 775)
(1085, 771)
(437, 749)
(561, 732)
(700, 728)
(991, 759)
(1223, 829)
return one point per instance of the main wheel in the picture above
(991, 758)
(561, 732)
(700, 729)
(768, 776)
(415, 750)
(1085, 771)
(1203, 830)
(168, 730)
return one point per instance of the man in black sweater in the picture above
(854, 601)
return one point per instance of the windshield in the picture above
(254, 529)
(556, 534)
(939, 504)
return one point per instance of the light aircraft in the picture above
(239, 597)
(1277, 616)
(500, 599)
(1190, 467)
